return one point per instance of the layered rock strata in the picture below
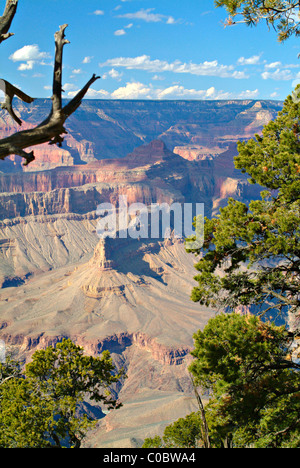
(111, 129)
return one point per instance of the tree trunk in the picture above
(206, 438)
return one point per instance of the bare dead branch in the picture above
(71, 107)
(52, 129)
(60, 42)
(10, 91)
(6, 19)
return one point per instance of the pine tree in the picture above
(251, 254)
(40, 409)
(248, 367)
(282, 15)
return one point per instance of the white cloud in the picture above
(30, 55)
(77, 71)
(114, 74)
(158, 78)
(26, 66)
(150, 17)
(269, 66)
(99, 12)
(278, 75)
(171, 20)
(133, 91)
(254, 60)
(137, 90)
(145, 63)
(210, 92)
(248, 94)
(69, 86)
(87, 59)
(120, 32)
(175, 92)
(280, 66)
(92, 93)
(239, 75)
(29, 52)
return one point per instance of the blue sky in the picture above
(148, 49)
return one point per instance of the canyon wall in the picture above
(150, 174)
(104, 129)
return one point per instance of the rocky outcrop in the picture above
(156, 151)
(115, 344)
(83, 199)
(197, 153)
(100, 258)
(164, 355)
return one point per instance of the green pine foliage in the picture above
(251, 254)
(183, 433)
(281, 15)
(250, 372)
(39, 409)
(250, 261)
(247, 365)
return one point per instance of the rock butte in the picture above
(129, 296)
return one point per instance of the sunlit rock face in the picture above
(150, 174)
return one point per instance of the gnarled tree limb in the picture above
(10, 91)
(52, 129)
(6, 19)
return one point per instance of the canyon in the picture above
(128, 296)
(105, 129)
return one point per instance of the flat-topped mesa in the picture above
(100, 257)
